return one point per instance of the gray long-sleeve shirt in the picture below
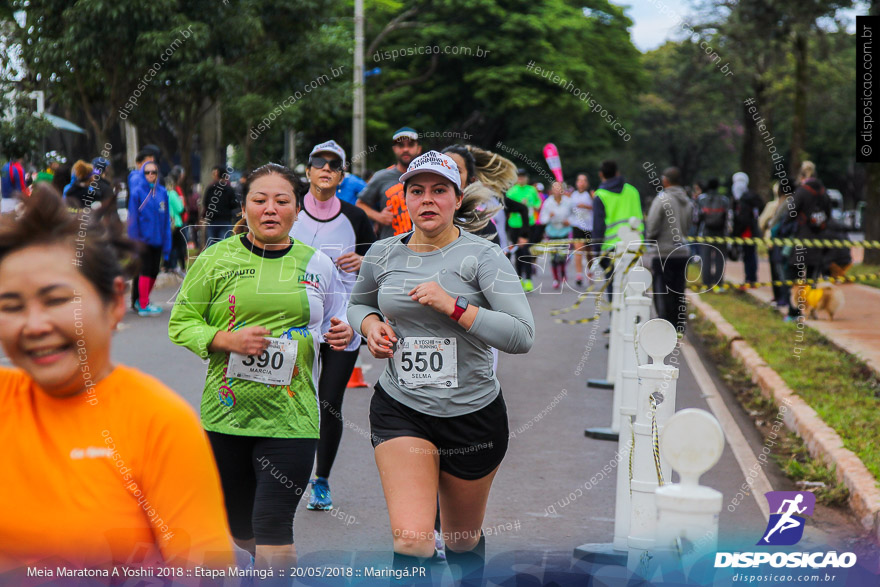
(471, 267)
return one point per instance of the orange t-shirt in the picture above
(123, 475)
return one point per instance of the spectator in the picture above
(669, 220)
(136, 175)
(765, 222)
(53, 163)
(383, 199)
(712, 211)
(80, 194)
(220, 206)
(178, 256)
(747, 206)
(812, 212)
(12, 184)
(149, 223)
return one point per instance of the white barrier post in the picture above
(687, 512)
(621, 260)
(637, 311)
(654, 406)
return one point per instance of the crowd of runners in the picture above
(427, 265)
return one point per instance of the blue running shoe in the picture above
(150, 310)
(320, 499)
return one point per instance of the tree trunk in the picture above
(210, 142)
(799, 116)
(755, 157)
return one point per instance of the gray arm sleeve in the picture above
(509, 325)
(652, 226)
(365, 295)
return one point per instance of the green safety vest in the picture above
(619, 208)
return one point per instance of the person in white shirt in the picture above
(557, 214)
(582, 223)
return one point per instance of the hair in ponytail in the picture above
(494, 171)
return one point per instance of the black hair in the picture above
(143, 154)
(102, 255)
(470, 165)
(608, 168)
(712, 184)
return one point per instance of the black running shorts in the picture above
(470, 446)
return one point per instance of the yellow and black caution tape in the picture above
(789, 282)
(655, 437)
(785, 242)
(600, 306)
(736, 240)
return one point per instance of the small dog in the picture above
(824, 296)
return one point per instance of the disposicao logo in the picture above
(785, 528)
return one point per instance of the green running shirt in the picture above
(293, 294)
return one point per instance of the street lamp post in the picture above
(358, 134)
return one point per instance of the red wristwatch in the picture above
(461, 304)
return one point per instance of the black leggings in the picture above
(336, 369)
(263, 480)
(150, 260)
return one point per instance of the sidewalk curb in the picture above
(821, 440)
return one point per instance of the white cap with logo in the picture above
(434, 162)
(330, 147)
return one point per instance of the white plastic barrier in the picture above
(655, 404)
(637, 311)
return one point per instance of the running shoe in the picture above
(320, 498)
(555, 284)
(150, 310)
(579, 279)
(527, 285)
(439, 547)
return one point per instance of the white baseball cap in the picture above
(329, 147)
(434, 162)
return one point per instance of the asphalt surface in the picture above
(528, 529)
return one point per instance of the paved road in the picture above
(545, 463)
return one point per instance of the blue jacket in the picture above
(149, 219)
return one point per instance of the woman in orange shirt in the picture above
(102, 465)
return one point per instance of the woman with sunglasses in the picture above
(258, 305)
(343, 232)
(149, 224)
(437, 417)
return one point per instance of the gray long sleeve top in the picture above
(471, 267)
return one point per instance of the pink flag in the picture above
(552, 157)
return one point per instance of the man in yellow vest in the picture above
(614, 203)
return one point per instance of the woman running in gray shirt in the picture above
(433, 302)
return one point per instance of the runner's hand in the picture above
(386, 216)
(249, 341)
(349, 262)
(381, 340)
(432, 295)
(339, 334)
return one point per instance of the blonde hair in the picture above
(494, 171)
(475, 213)
(808, 170)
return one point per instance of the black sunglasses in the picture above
(319, 162)
(151, 173)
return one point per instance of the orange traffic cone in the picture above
(357, 376)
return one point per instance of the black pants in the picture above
(669, 283)
(263, 480)
(150, 262)
(336, 368)
(712, 271)
(178, 250)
